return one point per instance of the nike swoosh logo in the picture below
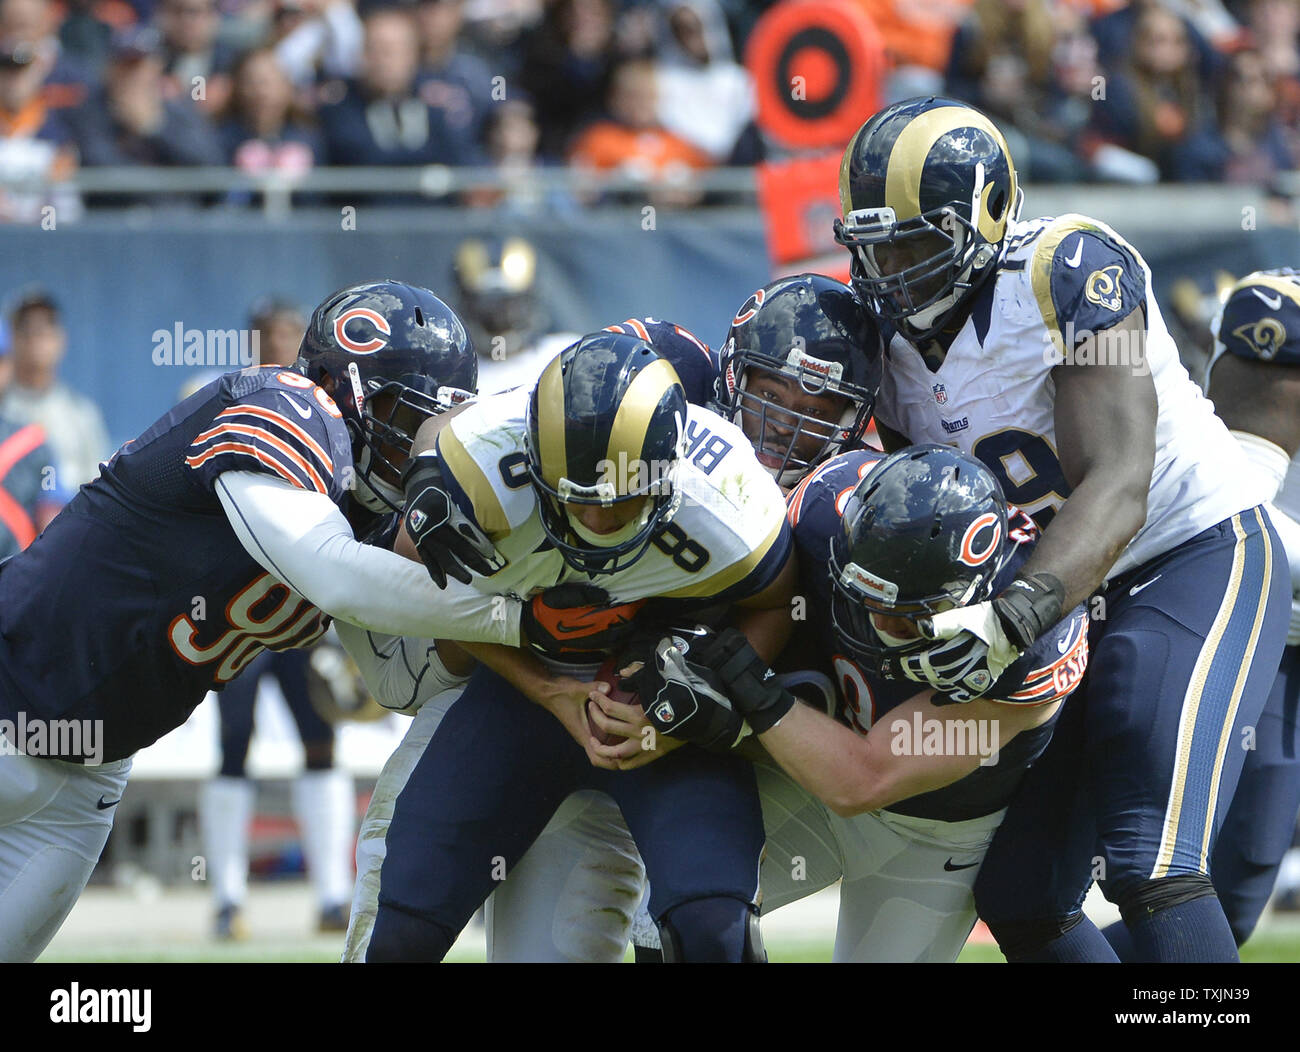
(1273, 302)
(1077, 258)
(304, 413)
(1138, 587)
(953, 869)
(1063, 645)
(104, 805)
(560, 626)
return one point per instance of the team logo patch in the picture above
(664, 712)
(1265, 337)
(416, 519)
(856, 579)
(979, 681)
(940, 394)
(749, 308)
(1103, 288)
(371, 345)
(971, 553)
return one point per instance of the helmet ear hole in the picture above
(419, 317)
(997, 204)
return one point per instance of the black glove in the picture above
(1029, 607)
(576, 617)
(450, 545)
(713, 685)
(685, 700)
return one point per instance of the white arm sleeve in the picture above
(302, 538)
(401, 672)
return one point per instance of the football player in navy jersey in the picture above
(900, 796)
(1038, 347)
(216, 534)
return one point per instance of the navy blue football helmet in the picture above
(1260, 319)
(397, 355)
(812, 331)
(606, 425)
(928, 191)
(695, 364)
(925, 531)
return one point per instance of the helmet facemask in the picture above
(777, 432)
(383, 417)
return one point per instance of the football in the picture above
(608, 673)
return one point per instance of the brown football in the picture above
(608, 673)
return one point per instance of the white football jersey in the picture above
(522, 368)
(728, 534)
(993, 396)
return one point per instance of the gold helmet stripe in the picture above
(913, 146)
(550, 423)
(467, 472)
(846, 193)
(627, 434)
(1286, 286)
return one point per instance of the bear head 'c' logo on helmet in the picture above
(925, 531)
(392, 355)
(929, 193)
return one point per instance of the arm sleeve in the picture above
(401, 672)
(303, 539)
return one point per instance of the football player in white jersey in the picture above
(1039, 348)
(585, 856)
(1255, 384)
(604, 480)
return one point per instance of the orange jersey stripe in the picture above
(287, 424)
(284, 447)
(248, 451)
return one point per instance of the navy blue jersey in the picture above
(696, 365)
(139, 598)
(1046, 672)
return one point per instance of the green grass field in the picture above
(1266, 946)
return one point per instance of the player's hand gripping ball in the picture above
(609, 673)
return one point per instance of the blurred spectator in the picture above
(380, 118)
(34, 23)
(279, 325)
(631, 140)
(1155, 103)
(918, 40)
(1273, 27)
(1246, 144)
(30, 496)
(197, 65)
(1003, 61)
(87, 30)
(451, 80)
(567, 67)
(511, 137)
(263, 130)
(71, 422)
(705, 96)
(131, 123)
(317, 38)
(1116, 32)
(497, 31)
(34, 145)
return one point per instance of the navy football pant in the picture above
(1147, 753)
(489, 781)
(237, 701)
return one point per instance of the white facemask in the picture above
(371, 491)
(619, 536)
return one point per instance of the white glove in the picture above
(979, 620)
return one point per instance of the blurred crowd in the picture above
(1085, 89)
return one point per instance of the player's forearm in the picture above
(1088, 535)
(401, 673)
(853, 774)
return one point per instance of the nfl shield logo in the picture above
(940, 394)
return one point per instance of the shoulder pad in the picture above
(1085, 278)
(1260, 320)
